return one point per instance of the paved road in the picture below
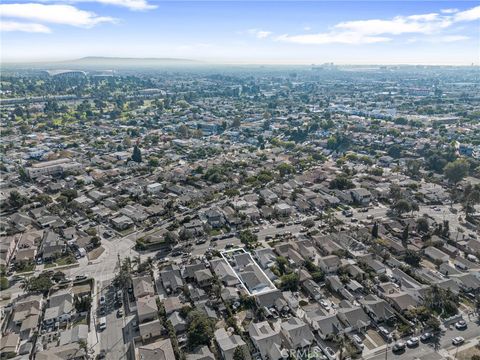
(427, 351)
(105, 267)
(111, 339)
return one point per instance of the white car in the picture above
(461, 325)
(102, 300)
(358, 341)
(457, 341)
(324, 304)
(413, 341)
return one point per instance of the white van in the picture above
(102, 323)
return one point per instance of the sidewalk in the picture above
(93, 340)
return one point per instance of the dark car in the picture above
(399, 346)
(426, 337)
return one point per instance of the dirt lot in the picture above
(468, 353)
(95, 253)
(376, 337)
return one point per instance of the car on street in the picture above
(413, 341)
(102, 300)
(458, 340)
(461, 325)
(426, 336)
(399, 346)
(119, 313)
(102, 323)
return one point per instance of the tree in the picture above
(440, 301)
(183, 131)
(3, 283)
(455, 171)
(395, 151)
(413, 168)
(285, 169)
(16, 200)
(236, 123)
(170, 238)
(239, 354)
(341, 182)
(405, 234)
(199, 329)
(282, 263)
(375, 230)
(41, 283)
(289, 282)
(95, 241)
(137, 154)
(402, 206)
(70, 194)
(412, 258)
(422, 225)
(82, 304)
(247, 237)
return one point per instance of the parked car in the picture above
(413, 341)
(461, 325)
(102, 300)
(358, 341)
(120, 313)
(399, 346)
(458, 340)
(426, 336)
(102, 323)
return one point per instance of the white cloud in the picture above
(453, 38)
(381, 30)
(449, 11)
(350, 38)
(259, 34)
(23, 27)
(439, 39)
(54, 14)
(468, 15)
(137, 5)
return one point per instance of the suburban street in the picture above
(426, 351)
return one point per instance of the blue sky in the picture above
(344, 32)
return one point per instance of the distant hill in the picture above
(93, 61)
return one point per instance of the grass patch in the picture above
(66, 260)
(49, 265)
(25, 268)
(80, 321)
